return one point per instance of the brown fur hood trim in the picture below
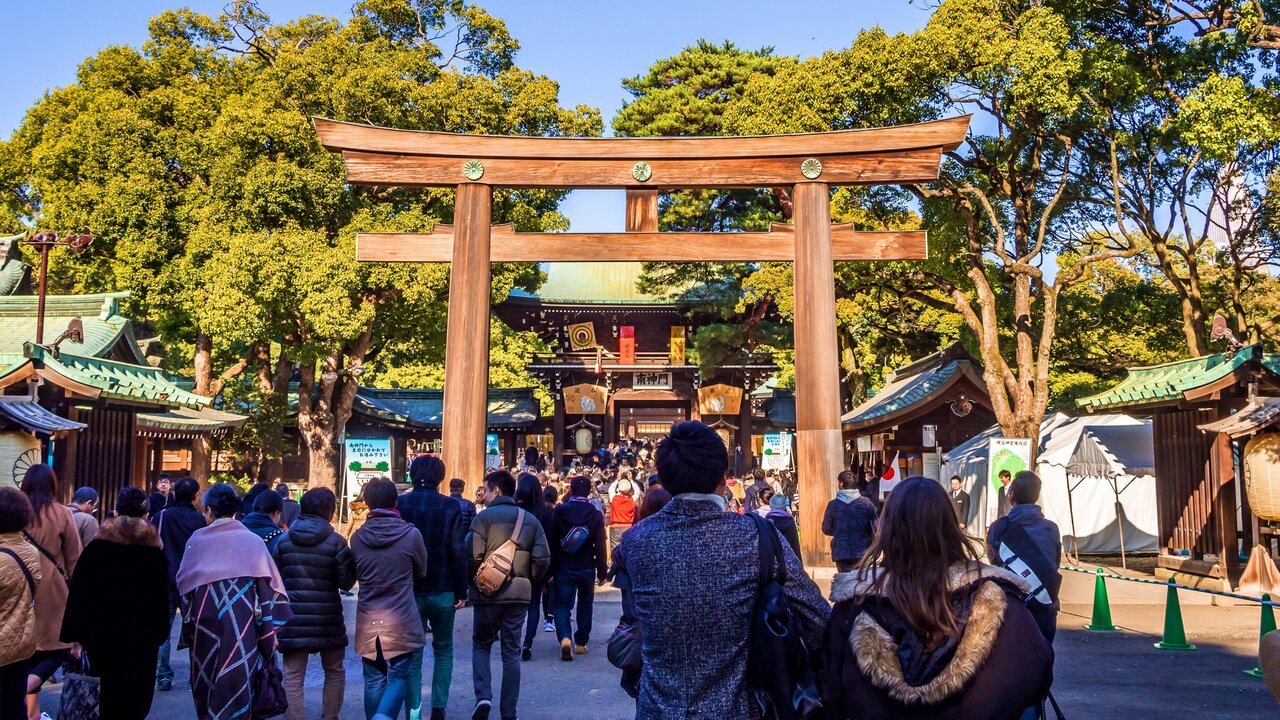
(877, 653)
(850, 585)
(128, 531)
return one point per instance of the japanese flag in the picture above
(891, 477)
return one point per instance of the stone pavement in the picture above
(1099, 676)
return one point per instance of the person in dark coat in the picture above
(529, 498)
(784, 521)
(850, 521)
(160, 499)
(292, 509)
(752, 501)
(929, 632)
(468, 508)
(694, 571)
(118, 607)
(1003, 501)
(443, 590)
(1040, 549)
(390, 555)
(175, 526)
(264, 521)
(502, 615)
(246, 505)
(315, 564)
(577, 564)
(959, 502)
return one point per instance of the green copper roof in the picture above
(603, 283)
(1171, 381)
(185, 422)
(113, 380)
(104, 326)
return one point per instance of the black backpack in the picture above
(782, 670)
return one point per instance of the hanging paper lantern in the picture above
(583, 440)
(1262, 475)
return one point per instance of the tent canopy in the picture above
(1110, 451)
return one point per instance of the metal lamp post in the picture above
(46, 241)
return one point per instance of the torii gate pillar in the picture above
(819, 443)
(466, 350)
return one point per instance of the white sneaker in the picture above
(548, 626)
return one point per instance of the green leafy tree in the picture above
(194, 163)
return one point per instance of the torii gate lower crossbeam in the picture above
(805, 162)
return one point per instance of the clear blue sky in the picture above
(589, 47)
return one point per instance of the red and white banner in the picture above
(891, 477)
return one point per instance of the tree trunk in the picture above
(201, 447)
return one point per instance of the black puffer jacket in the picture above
(315, 563)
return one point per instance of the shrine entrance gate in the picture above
(810, 163)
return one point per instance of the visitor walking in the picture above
(316, 565)
(622, 512)
(502, 613)
(1026, 534)
(390, 556)
(233, 603)
(751, 496)
(850, 521)
(159, 499)
(291, 508)
(264, 521)
(468, 511)
(116, 610)
(529, 498)
(929, 631)
(579, 562)
(694, 571)
(20, 575)
(783, 521)
(84, 503)
(53, 533)
(175, 525)
(442, 591)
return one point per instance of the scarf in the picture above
(224, 550)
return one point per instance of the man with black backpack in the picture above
(578, 563)
(508, 552)
(696, 576)
(1028, 543)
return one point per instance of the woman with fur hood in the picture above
(924, 630)
(118, 608)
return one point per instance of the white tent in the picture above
(1084, 488)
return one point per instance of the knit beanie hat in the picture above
(778, 501)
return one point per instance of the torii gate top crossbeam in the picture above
(385, 156)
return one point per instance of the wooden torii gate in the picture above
(812, 163)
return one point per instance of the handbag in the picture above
(496, 569)
(782, 670)
(80, 693)
(268, 691)
(624, 651)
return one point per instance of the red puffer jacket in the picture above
(622, 510)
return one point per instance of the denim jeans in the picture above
(385, 684)
(437, 610)
(491, 623)
(163, 670)
(538, 600)
(570, 583)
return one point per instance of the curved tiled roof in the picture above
(1171, 381)
(425, 407)
(600, 283)
(104, 326)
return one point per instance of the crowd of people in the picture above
(915, 624)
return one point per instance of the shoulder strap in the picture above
(46, 553)
(770, 564)
(515, 534)
(31, 582)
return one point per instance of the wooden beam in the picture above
(466, 379)
(642, 211)
(820, 446)
(898, 166)
(944, 134)
(777, 245)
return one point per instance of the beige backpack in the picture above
(496, 569)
